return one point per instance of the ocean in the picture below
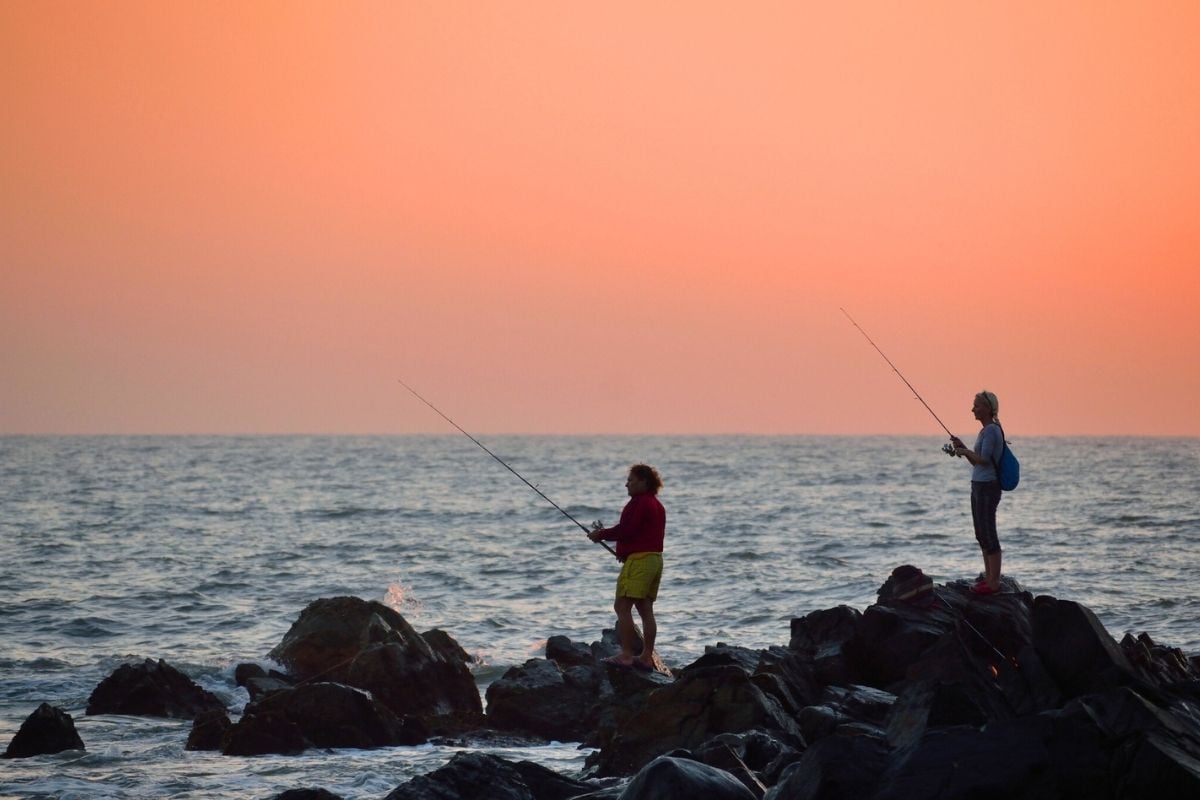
(202, 551)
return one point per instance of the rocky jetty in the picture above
(939, 693)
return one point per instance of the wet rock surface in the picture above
(47, 730)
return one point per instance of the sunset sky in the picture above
(598, 218)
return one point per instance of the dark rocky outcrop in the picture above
(702, 703)
(47, 730)
(368, 645)
(258, 682)
(959, 695)
(307, 794)
(543, 698)
(318, 715)
(838, 766)
(668, 778)
(151, 689)
(481, 775)
(208, 730)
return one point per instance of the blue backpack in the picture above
(1008, 469)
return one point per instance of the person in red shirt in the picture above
(639, 537)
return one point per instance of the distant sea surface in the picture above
(202, 551)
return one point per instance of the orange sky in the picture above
(581, 218)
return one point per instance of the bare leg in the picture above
(624, 608)
(991, 564)
(645, 609)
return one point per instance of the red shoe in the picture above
(982, 588)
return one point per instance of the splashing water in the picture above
(400, 599)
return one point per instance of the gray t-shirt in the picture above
(989, 444)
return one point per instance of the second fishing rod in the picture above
(504, 463)
(947, 448)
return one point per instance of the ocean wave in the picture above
(90, 628)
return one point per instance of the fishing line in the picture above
(893, 366)
(503, 462)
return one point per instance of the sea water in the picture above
(202, 551)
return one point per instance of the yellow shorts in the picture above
(640, 576)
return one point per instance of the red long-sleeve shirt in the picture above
(642, 528)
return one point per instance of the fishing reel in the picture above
(948, 449)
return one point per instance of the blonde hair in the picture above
(991, 400)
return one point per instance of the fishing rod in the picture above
(906, 383)
(503, 462)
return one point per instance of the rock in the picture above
(260, 687)
(566, 653)
(264, 732)
(1037, 756)
(667, 778)
(889, 639)
(835, 768)
(368, 645)
(790, 678)
(408, 682)
(445, 645)
(1157, 664)
(539, 697)
(699, 705)
(1156, 750)
(1077, 652)
(47, 730)
(307, 794)
(318, 715)
(723, 753)
(471, 775)
(821, 638)
(623, 694)
(257, 681)
(151, 689)
(723, 655)
(208, 729)
(244, 672)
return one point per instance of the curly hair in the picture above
(648, 475)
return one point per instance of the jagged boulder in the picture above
(562, 651)
(668, 778)
(542, 698)
(838, 766)
(1076, 650)
(821, 639)
(856, 710)
(445, 645)
(482, 775)
(1158, 664)
(208, 729)
(318, 715)
(151, 689)
(47, 730)
(258, 682)
(728, 752)
(699, 705)
(368, 645)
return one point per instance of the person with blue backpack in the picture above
(985, 459)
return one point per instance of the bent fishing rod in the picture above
(906, 383)
(504, 463)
